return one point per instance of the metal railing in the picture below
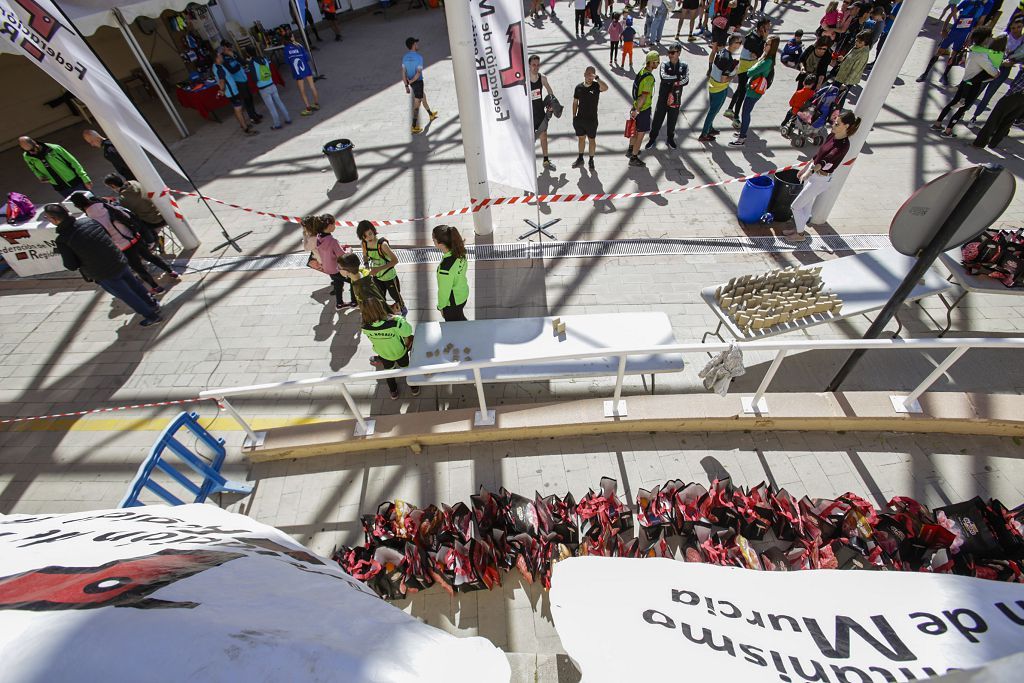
(755, 404)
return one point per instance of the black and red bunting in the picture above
(467, 547)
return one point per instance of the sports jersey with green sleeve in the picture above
(388, 336)
(452, 285)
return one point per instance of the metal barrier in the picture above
(616, 407)
(213, 481)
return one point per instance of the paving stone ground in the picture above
(65, 346)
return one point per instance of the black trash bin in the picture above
(787, 187)
(339, 153)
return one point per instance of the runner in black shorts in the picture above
(584, 112)
(329, 8)
(538, 84)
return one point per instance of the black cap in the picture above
(409, 42)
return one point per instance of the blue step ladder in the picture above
(168, 444)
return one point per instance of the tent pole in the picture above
(151, 76)
(301, 16)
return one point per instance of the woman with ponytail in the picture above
(452, 285)
(817, 175)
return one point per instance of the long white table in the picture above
(864, 282)
(508, 339)
(968, 283)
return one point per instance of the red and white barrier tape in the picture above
(480, 204)
(157, 404)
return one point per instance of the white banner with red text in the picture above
(706, 622)
(506, 110)
(37, 30)
(195, 593)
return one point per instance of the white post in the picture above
(364, 427)
(909, 404)
(897, 46)
(254, 439)
(148, 177)
(467, 87)
(757, 404)
(617, 407)
(483, 416)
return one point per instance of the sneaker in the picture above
(250, 131)
(316, 107)
(277, 127)
(948, 134)
(738, 142)
(651, 144)
(258, 119)
(548, 165)
(921, 78)
(691, 39)
(433, 115)
(173, 275)
(590, 164)
(306, 112)
(736, 124)
(706, 138)
(636, 162)
(157, 290)
(629, 152)
(340, 306)
(288, 122)
(714, 131)
(352, 304)
(151, 321)
(415, 391)
(578, 163)
(416, 129)
(936, 126)
(394, 395)
(729, 114)
(672, 144)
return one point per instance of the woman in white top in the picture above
(117, 222)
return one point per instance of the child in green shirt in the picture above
(391, 337)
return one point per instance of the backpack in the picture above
(640, 77)
(19, 208)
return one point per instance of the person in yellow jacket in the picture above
(452, 285)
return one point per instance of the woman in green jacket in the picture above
(759, 78)
(452, 285)
(391, 337)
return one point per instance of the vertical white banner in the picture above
(499, 46)
(36, 29)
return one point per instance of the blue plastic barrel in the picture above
(754, 200)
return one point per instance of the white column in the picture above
(460, 37)
(148, 177)
(897, 46)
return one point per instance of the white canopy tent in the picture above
(89, 15)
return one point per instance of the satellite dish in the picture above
(921, 216)
(146, 25)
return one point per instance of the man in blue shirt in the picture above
(412, 76)
(298, 59)
(965, 18)
(232, 90)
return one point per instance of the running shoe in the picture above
(729, 114)
(433, 115)
(306, 112)
(578, 163)
(672, 144)
(637, 162)
(157, 290)
(590, 164)
(151, 321)
(416, 130)
(738, 142)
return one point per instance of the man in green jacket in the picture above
(54, 165)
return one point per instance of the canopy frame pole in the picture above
(151, 76)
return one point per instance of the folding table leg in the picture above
(950, 307)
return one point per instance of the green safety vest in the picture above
(452, 285)
(375, 259)
(388, 337)
(264, 76)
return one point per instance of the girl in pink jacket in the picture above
(328, 250)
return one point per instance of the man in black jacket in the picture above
(674, 75)
(110, 152)
(85, 246)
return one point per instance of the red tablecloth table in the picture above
(207, 99)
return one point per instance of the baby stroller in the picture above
(809, 122)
